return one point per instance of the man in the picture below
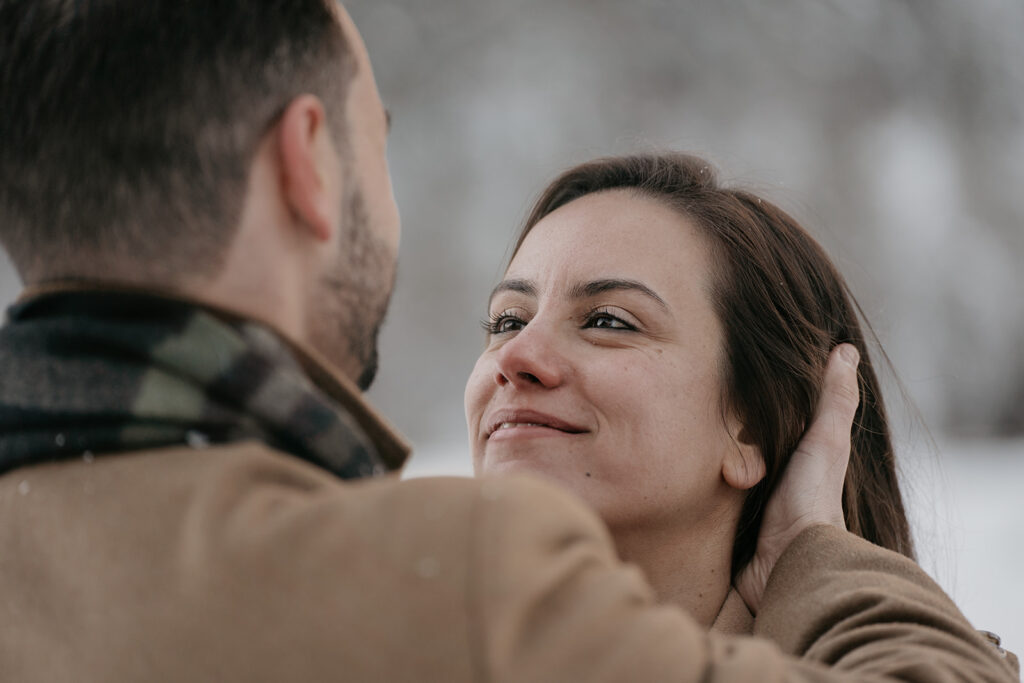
(197, 198)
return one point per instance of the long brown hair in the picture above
(783, 307)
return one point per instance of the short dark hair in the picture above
(783, 306)
(128, 128)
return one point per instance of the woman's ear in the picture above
(743, 466)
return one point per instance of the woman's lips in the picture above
(513, 423)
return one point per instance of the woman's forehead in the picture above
(612, 235)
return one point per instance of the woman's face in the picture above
(604, 362)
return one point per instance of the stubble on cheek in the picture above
(354, 297)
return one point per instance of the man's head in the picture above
(227, 149)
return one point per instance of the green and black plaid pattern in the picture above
(102, 372)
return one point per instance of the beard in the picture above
(352, 299)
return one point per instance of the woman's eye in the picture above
(509, 325)
(500, 324)
(607, 321)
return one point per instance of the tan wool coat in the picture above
(242, 563)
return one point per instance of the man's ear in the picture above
(310, 175)
(743, 465)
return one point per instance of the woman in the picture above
(657, 346)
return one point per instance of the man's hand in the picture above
(811, 489)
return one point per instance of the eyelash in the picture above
(603, 313)
(492, 325)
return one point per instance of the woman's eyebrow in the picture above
(585, 290)
(522, 286)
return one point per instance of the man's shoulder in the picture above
(248, 495)
(232, 552)
(225, 476)
(516, 500)
(438, 560)
(252, 467)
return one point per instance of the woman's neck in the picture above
(688, 567)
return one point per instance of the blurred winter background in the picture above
(893, 129)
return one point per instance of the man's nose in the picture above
(532, 358)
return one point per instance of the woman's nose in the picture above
(531, 358)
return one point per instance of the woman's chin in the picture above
(512, 464)
(559, 468)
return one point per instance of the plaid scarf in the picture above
(84, 373)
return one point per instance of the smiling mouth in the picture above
(513, 429)
(512, 425)
(534, 425)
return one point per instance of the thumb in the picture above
(827, 439)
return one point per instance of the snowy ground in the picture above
(967, 507)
